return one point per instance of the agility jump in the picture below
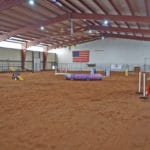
(142, 86)
(60, 72)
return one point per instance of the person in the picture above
(93, 71)
(15, 75)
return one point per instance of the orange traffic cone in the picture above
(148, 91)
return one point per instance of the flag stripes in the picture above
(80, 56)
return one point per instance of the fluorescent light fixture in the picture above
(57, 2)
(31, 2)
(60, 4)
(42, 28)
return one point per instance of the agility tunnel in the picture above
(69, 76)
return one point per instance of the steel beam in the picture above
(125, 18)
(9, 4)
(32, 27)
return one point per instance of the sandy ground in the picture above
(47, 112)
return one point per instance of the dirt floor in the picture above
(47, 112)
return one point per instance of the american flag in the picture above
(80, 56)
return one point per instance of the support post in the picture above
(144, 84)
(33, 66)
(45, 54)
(23, 56)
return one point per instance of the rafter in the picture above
(119, 29)
(141, 38)
(89, 8)
(117, 10)
(9, 3)
(131, 10)
(107, 35)
(38, 41)
(146, 7)
(76, 16)
(104, 10)
(98, 28)
(72, 42)
(111, 17)
(31, 27)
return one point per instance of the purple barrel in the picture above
(83, 76)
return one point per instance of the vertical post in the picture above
(126, 72)
(45, 53)
(144, 84)
(23, 56)
(33, 61)
(139, 88)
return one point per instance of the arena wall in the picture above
(108, 52)
(34, 60)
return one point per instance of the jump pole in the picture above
(145, 94)
(61, 73)
(144, 84)
(140, 76)
(140, 83)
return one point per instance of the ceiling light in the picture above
(102, 37)
(31, 2)
(42, 28)
(105, 23)
(90, 31)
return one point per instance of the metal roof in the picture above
(70, 22)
